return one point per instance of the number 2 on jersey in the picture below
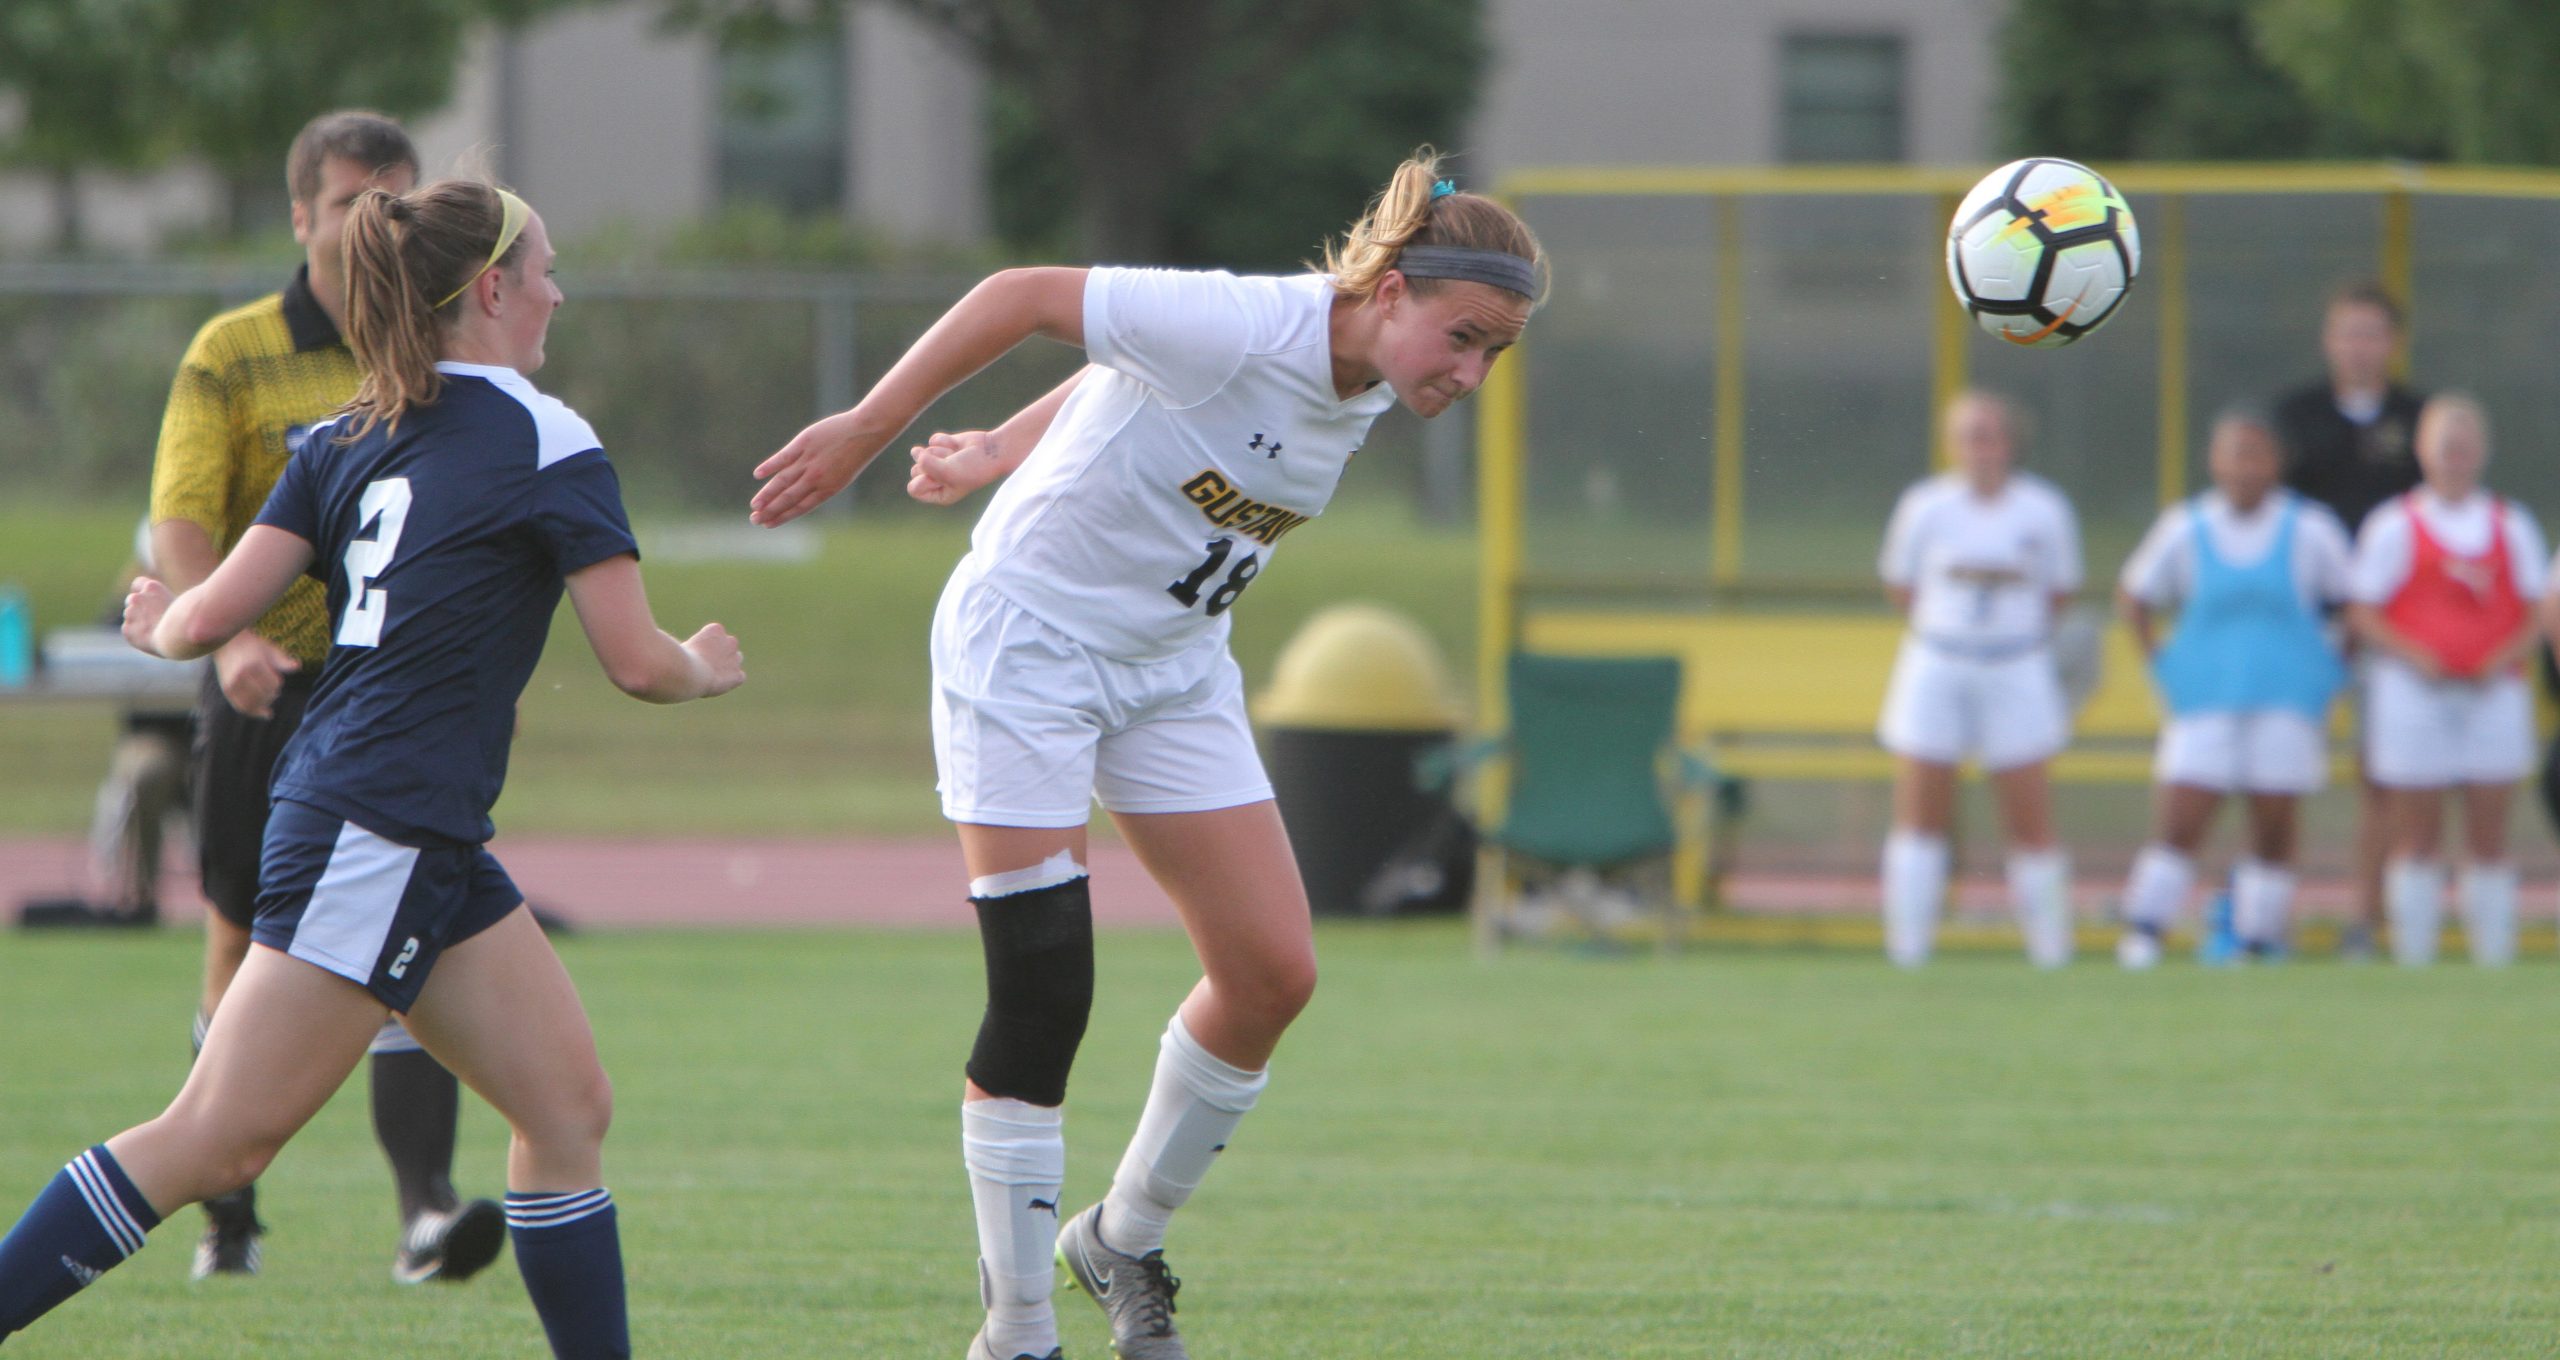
(1187, 589)
(385, 507)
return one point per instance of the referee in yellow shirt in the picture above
(252, 383)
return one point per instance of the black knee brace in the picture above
(1039, 948)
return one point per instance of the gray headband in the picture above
(1500, 268)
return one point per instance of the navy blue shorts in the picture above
(370, 910)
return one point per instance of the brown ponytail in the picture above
(1406, 213)
(404, 251)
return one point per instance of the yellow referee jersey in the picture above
(252, 382)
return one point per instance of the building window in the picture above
(1843, 98)
(782, 119)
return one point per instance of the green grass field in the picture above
(1726, 1154)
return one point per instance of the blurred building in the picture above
(603, 115)
(1737, 82)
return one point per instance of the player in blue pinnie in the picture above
(446, 510)
(1081, 649)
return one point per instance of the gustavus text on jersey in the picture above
(1229, 508)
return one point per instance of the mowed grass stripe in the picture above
(1721, 1154)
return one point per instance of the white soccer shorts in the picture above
(1944, 707)
(1030, 725)
(2265, 751)
(2422, 734)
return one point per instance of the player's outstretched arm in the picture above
(643, 660)
(1000, 313)
(244, 587)
(950, 466)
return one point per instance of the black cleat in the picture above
(451, 1246)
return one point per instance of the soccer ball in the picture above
(2042, 251)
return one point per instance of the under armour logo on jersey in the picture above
(1257, 443)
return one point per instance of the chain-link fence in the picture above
(690, 378)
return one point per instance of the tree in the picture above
(2472, 77)
(2170, 80)
(1181, 129)
(250, 73)
(91, 87)
(1264, 184)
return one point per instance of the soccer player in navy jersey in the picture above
(446, 510)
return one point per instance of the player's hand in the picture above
(144, 606)
(252, 672)
(724, 663)
(818, 462)
(950, 466)
(2425, 664)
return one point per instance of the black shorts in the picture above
(369, 909)
(230, 770)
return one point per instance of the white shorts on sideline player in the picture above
(2422, 734)
(2266, 751)
(1030, 725)
(1943, 706)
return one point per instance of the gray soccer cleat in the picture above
(980, 1350)
(1136, 1292)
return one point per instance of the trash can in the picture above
(1359, 694)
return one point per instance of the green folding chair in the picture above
(1592, 771)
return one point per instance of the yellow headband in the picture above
(511, 219)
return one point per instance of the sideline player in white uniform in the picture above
(1981, 559)
(1081, 649)
(2247, 678)
(2442, 584)
(447, 511)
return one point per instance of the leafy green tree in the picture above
(1265, 179)
(89, 79)
(2471, 77)
(2173, 80)
(1239, 131)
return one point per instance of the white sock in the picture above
(1192, 1111)
(1915, 883)
(2261, 899)
(2040, 892)
(2156, 889)
(2413, 897)
(2489, 912)
(1017, 1157)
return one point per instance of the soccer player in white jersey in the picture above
(2247, 677)
(1080, 649)
(2442, 583)
(1981, 559)
(447, 510)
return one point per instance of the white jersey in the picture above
(1982, 573)
(2385, 549)
(1205, 432)
(2162, 571)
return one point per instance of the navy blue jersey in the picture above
(443, 545)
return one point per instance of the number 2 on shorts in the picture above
(1187, 589)
(385, 505)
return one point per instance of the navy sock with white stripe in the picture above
(83, 1225)
(569, 1250)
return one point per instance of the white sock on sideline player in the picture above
(2040, 892)
(2261, 899)
(2489, 912)
(2413, 897)
(1915, 884)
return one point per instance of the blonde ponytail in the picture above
(1417, 208)
(403, 251)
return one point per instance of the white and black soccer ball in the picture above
(2043, 251)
